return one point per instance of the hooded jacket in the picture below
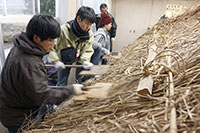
(23, 82)
(69, 39)
(102, 37)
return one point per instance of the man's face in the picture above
(104, 10)
(47, 45)
(85, 24)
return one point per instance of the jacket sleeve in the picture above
(100, 39)
(87, 50)
(36, 86)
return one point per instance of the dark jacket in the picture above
(23, 82)
(113, 28)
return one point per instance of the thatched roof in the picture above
(124, 110)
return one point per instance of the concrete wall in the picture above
(135, 16)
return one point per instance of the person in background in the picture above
(101, 44)
(74, 44)
(112, 31)
(23, 82)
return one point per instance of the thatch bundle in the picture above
(124, 110)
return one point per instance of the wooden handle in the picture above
(72, 66)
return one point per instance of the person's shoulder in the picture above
(65, 30)
(65, 26)
(100, 31)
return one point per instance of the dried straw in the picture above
(124, 111)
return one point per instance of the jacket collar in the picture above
(27, 46)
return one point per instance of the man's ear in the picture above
(78, 19)
(36, 39)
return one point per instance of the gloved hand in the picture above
(105, 51)
(113, 39)
(60, 65)
(87, 65)
(77, 89)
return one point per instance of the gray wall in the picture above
(135, 16)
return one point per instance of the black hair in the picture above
(44, 26)
(85, 12)
(103, 5)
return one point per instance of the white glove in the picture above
(60, 65)
(77, 89)
(113, 39)
(105, 51)
(87, 65)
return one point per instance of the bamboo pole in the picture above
(173, 124)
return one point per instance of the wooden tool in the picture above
(95, 70)
(72, 66)
(90, 87)
(146, 83)
(114, 55)
(97, 91)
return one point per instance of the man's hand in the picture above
(105, 51)
(77, 89)
(60, 65)
(87, 65)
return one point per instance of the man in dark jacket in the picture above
(23, 81)
(104, 9)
